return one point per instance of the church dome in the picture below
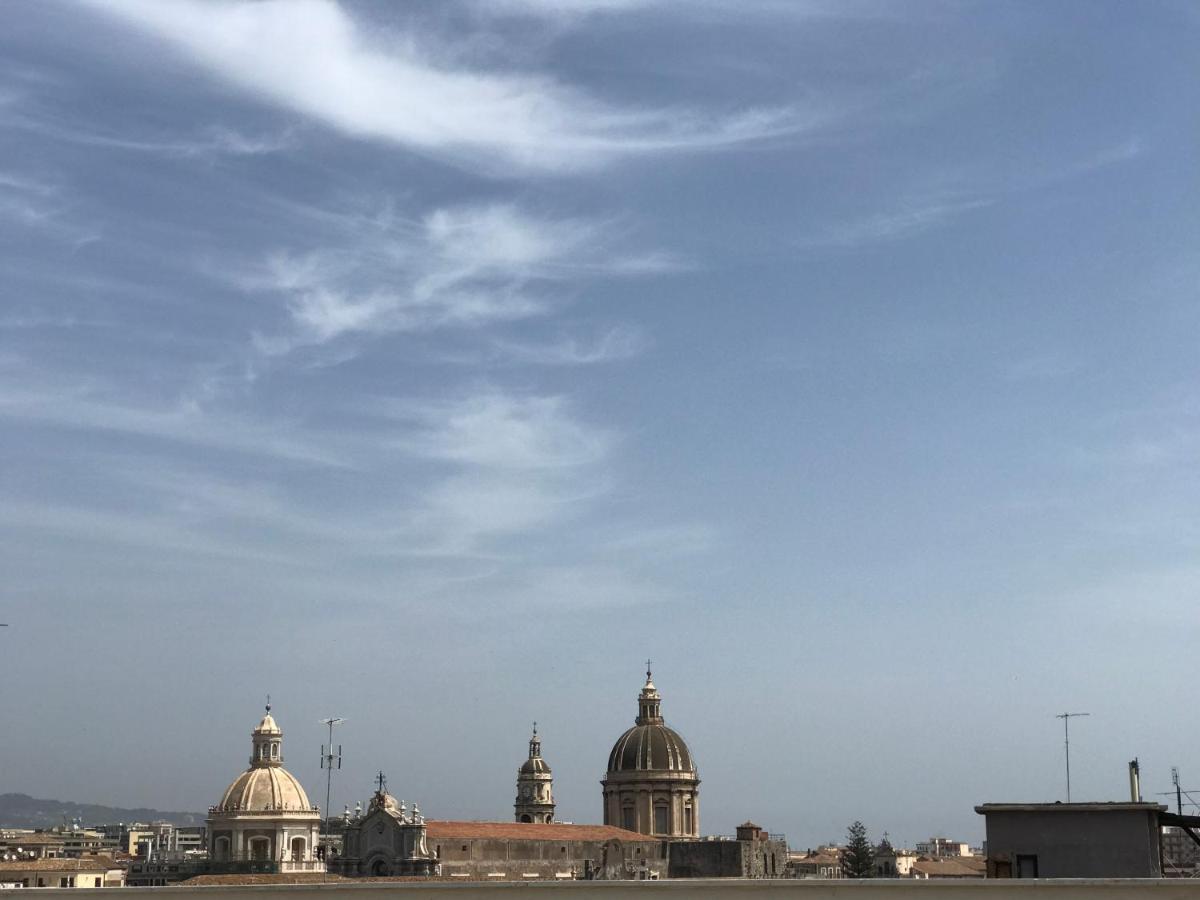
(535, 766)
(650, 746)
(266, 786)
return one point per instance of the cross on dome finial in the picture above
(535, 728)
(381, 780)
(647, 669)
(268, 702)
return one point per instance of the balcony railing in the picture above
(239, 865)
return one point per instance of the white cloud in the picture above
(500, 431)
(211, 142)
(35, 205)
(906, 221)
(776, 9)
(84, 407)
(518, 463)
(615, 344)
(460, 267)
(312, 57)
(956, 193)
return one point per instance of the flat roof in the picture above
(1124, 806)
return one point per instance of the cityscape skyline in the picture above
(432, 365)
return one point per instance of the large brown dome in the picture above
(652, 747)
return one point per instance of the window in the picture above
(661, 820)
(97, 882)
(260, 848)
(628, 819)
(66, 882)
(687, 820)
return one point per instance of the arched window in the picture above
(662, 819)
(260, 848)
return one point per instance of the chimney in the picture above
(1135, 787)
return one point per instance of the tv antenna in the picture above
(330, 759)
(1179, 793)
(1067, 717)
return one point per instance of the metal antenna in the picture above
(1067, 717)
(1179, 793)
(328, 758)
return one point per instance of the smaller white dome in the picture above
(271, 788)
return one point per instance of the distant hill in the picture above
(23, 811)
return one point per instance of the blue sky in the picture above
(432, 365)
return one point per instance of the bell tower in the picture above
(535, 786)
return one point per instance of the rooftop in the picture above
(530, 831)
(985, 808)
(86, 864)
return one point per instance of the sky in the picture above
(432, 365)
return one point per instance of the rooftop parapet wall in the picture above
(725, 889)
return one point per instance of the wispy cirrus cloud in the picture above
(955, 195)
(87, 406)
(464, 267)
(447, 477)
(908, 220)
(613, 345)
(778, 9)
(211, 142)
(312, 57)
(501, 431)
(31, 204)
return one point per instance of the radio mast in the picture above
(329, 759)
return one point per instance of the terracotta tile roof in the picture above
(300, 878)
(951, 867)
(36, 837)
(276, 878)
(447, 831)
(87, 864)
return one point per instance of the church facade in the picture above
(387, 840)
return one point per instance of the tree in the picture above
(858, 857)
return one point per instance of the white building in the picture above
(264, 822)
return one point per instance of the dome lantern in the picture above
(266, 742)
(649, 702)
